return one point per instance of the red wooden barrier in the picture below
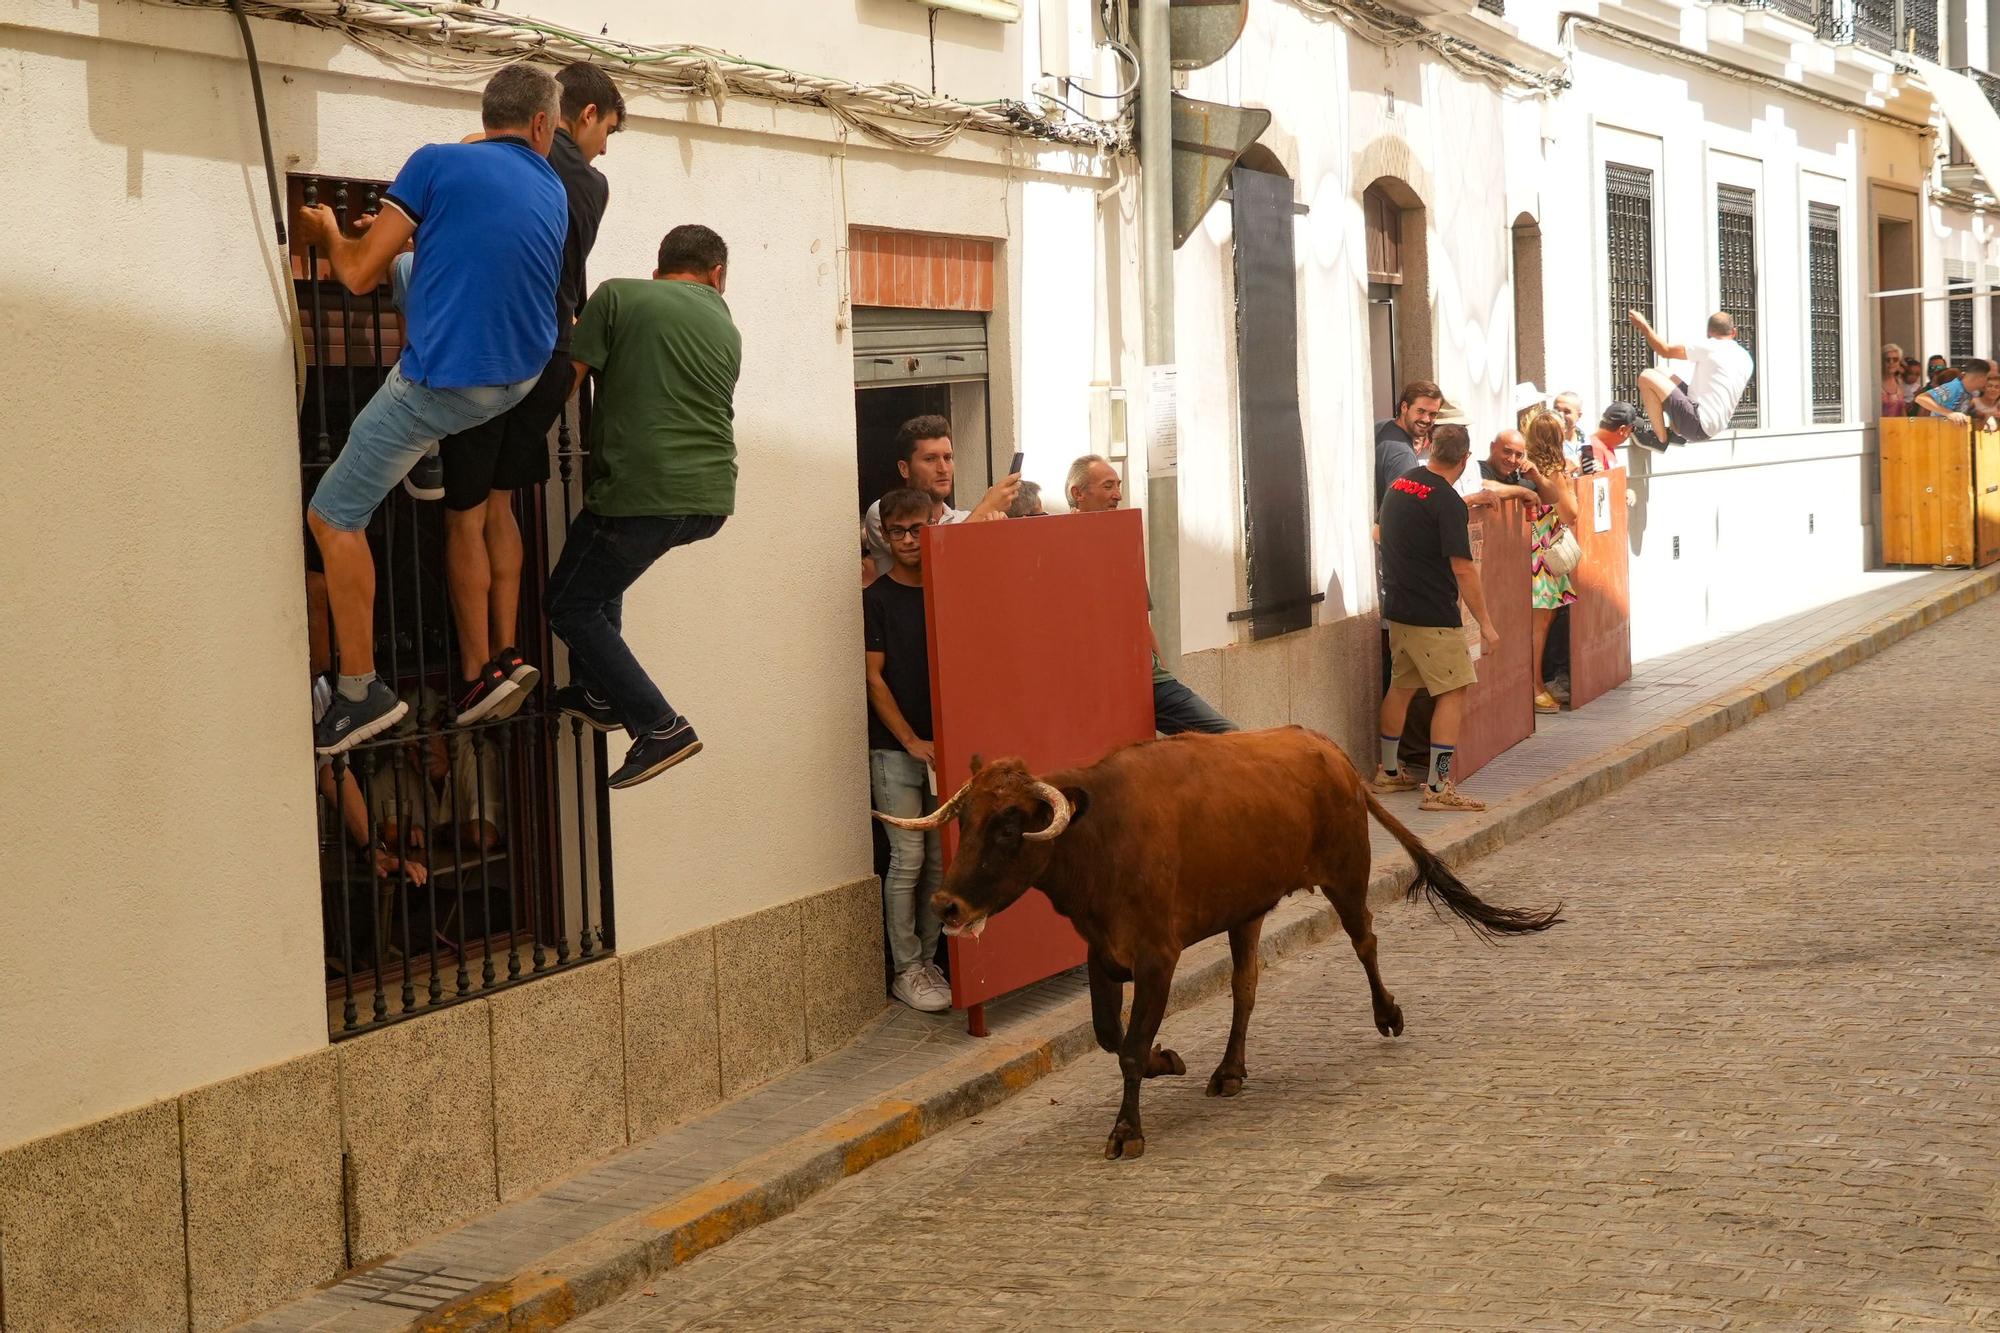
(1040, 651)
(1600, 620)
(1500, 709)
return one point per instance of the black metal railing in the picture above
(454, 861)
(1802, 10)
(1498, 8)
(1890, 25)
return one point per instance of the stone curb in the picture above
(615, 1260)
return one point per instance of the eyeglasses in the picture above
(900, 533)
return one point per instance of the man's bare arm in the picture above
(361, 262)
(1660, 346)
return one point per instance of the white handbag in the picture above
(1564, 554)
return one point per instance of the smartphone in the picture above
(1014, 468)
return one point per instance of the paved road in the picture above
(1755, 1083)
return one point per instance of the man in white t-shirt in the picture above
(1681, 411)
(924, 458)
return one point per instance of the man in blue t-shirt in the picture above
(479, 325)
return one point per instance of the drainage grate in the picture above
(404, 1287)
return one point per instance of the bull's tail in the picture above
(1435, 880)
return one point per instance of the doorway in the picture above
(912, 363)
(1896, 269)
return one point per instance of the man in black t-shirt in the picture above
(1426, 569)
(483, 467)
(899, 749)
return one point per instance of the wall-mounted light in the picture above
(1002, 11)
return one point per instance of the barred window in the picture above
(1802, 10)
(1628, 240)
(1875, 23)
(454, 859)
(1919, 30)
(1736, 259)
(1959, 319)
(1823, 300)
(1498, 7)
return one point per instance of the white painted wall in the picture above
(1740, 505)
(160, 925)
(1336, 103)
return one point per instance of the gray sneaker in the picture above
(346, 723)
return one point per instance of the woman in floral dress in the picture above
(1549, 472)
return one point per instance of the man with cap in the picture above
(1614, 432)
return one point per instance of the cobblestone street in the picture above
(1751, 1083)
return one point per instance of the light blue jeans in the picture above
(397, 427)
(916, 860)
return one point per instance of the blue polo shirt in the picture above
(491, 217)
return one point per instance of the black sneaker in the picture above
(1645, 439)
(525, 677)
(587, 708)
(426, 479)
(489, 694)
(346, 724)
(653, 755)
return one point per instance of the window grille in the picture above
(1918, 28)
(1802, 10)
(1628, 239)
(1736, 261)
(1875, 23)
(1495, 7)
(515, 829)
(1823, 301)
(1959, 315)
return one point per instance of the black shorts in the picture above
(510, 452)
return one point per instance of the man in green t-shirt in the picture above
(662, 474)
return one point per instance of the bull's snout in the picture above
(949, 911)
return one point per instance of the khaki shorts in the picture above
(1431, 657)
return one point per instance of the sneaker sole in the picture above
(660, 767)
(525, 678)
(1440, 808)
(367, 731)
(594, 722)
(921, 1008)
(1391, 787)
(478, 712)
(1546, 711)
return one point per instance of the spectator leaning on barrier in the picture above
(1426, 569)
(663, 474)
(1093, 487)
(1957, 393)
(479, 326)
(1614, 431)
(899, 749)
(483, 467)
(1500, 472)
(1399, 440)
(1553, 509)
(925, 460)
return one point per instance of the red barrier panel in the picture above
(1600, 620)
(1040, 650)
(1500, 709)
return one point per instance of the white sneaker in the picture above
(914, 987)
(939, 984)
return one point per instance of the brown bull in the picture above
(1164, 843)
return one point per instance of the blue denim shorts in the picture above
(397, 427)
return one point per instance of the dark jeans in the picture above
(602, 558)
(1176, 709)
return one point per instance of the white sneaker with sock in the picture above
(915, 986)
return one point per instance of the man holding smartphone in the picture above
(924, 458)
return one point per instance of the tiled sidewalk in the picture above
(469, 1275)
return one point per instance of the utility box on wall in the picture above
(1940, 493)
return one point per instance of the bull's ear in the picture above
(977, 763)
(1079, 802)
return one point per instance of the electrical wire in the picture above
(1381, 26)
(442, 38)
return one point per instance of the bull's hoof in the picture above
(1389, 1021)
(1163, 1061)
(1125, 1142)
(1224, 1085)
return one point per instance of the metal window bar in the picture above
(1823, 304)
(1628, 239)
(1874, 23)
(1736, 264)
(1498, 8)
(1917, 28)
(1958, 318)
(508, 819)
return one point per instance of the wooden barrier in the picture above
(1940, 493)
(1600, 620)
(1040, 650)
(1500, 709)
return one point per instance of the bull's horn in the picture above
(937, 818)
(1058, 812)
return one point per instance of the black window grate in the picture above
(1497, 7)
(1802, 10)
(1823, 301)
(1919, 28)
(1736, 263)
(515, 843)
(1875, 23)
(1628, 239)
(1958, 322)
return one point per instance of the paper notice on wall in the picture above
(1162, 421)
(1600, 504)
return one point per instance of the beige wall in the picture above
(160, 924)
